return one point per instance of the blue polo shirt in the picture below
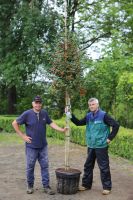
(35, 127)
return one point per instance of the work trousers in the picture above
(32, 155)
(101, 154)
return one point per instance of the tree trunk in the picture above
(12, 99)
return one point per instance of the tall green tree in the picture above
(26, 26)
(110, 80)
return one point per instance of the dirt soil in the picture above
(13, 183)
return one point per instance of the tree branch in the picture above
(93, 40)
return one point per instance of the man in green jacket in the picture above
(98, 136)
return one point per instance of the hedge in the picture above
(122, 145)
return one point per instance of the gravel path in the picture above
(12, 175)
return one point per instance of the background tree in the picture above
(25, 29)
(27, 36)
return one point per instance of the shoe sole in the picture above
(52, 193)
(84, 189)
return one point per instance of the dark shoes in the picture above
(30, 190)
(48, 190)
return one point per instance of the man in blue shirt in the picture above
(98, 136)
(35, 121)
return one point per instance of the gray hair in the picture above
(93, 99)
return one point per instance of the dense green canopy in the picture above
(31, 34)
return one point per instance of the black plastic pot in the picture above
(67, 180)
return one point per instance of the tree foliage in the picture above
(111, 80)
(25, 29)
(32, 41)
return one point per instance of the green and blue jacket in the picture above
(97, 128)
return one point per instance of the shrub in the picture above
(122, 145)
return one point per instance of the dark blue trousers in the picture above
(40, 155)
(101, 154)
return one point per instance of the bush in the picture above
(6, 123)
(122, 145)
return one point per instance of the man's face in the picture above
(93, 106)
(37, 105)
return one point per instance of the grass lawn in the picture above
(12, 138)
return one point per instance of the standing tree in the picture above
(66, 73)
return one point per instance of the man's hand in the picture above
(66, 129)
(27, 138)
(68, 112)
(108, 141)
(56, 127)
